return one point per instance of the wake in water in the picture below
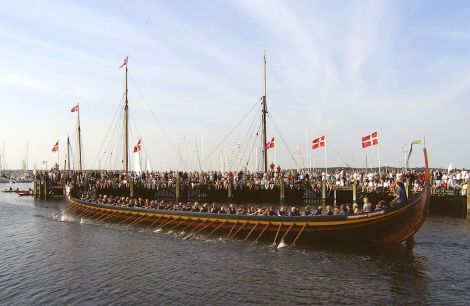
(62, 217)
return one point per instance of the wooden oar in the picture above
(277, 233)
(298, 235)
(259, 236)
(251, 231)
(182, 231)
(285, 234)
(236, 221)
(216, 228)
(236, 232)
(200, 230)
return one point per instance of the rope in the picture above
(156, 119)
(307, 116)
(230, 133)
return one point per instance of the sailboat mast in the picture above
(68, 153)
(27, 154)
(264, 112)
(126, 131)
(79, 142)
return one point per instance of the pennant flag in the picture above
(125, 62)
(318, 142)
(409, 155)
(270, 144)
(370, 140)
(74, 109)
(55, 148)
(137, 147)
(416, 142)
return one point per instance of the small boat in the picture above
(25, 193)
(392, 225)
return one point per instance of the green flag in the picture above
(416, 141)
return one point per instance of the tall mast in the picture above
(126, 131)
(27, 153)
(68, 154)
(264, 112)
(79, 143)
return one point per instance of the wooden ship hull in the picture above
(389, 226)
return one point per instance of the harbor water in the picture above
(48, 258)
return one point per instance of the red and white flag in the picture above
(138, 146)
(74, 109)
(125, 62)
(270, 144)
(318, 142)
(55, 148)
(370, 140)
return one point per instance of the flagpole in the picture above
(326, 165)
(404, 152)
(306, 148)
(378, 155)
(366, 163)
(275, 154)
(79, 139)
(58, 155)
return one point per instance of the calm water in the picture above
(65, 262)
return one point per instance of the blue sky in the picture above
(337, 68)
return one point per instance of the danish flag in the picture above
(270, 144)
(74, 109)
(125, 62)
(370, 140)
(55, 148)
(318, 142)
(138, 147)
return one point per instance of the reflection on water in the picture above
(47, 257)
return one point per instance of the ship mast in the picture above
(126, 128)
(79, 142)
(264, 112)
(68, 154)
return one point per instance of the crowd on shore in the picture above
(367, 181)
(457, 180)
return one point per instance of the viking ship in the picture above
(392, 225)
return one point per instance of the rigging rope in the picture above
(230, 133)
(306, 115)
(156, 119)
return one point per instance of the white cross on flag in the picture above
(270, 144)
(318, 142)
(370, 140)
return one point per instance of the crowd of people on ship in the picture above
(232, 209)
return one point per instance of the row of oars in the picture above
(163, 221)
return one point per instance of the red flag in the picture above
(318, 142)
(74, 109)
(55, 148)
(125, 62)
(270, 144)
(137, 147)
(370, 140)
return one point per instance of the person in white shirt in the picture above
(367, 207)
